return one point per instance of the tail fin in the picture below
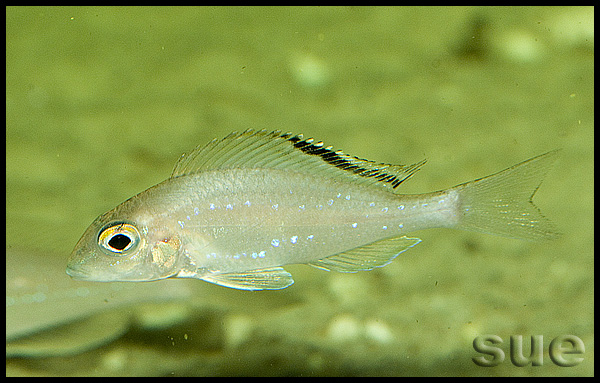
(502, 203)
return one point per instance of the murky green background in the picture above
(102, 101)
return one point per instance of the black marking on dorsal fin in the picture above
(358, 166)
(276, 150)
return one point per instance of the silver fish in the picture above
(236, 210)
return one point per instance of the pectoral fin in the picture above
(273, 278)
(367, 257)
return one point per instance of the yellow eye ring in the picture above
(119, 238)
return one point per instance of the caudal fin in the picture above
(502, 203)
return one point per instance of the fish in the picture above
(235, 211)
(49, 315)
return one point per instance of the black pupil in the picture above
(119, 242)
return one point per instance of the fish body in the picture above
(236, 210)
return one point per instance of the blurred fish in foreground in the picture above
(49, 314)
(236, 210)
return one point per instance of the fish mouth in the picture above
(81, 275)
(76, 273)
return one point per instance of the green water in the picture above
(102, 101)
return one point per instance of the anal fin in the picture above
(367, 257)
(273, 278)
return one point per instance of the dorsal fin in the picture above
(277, 150)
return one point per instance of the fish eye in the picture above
(119, 238)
